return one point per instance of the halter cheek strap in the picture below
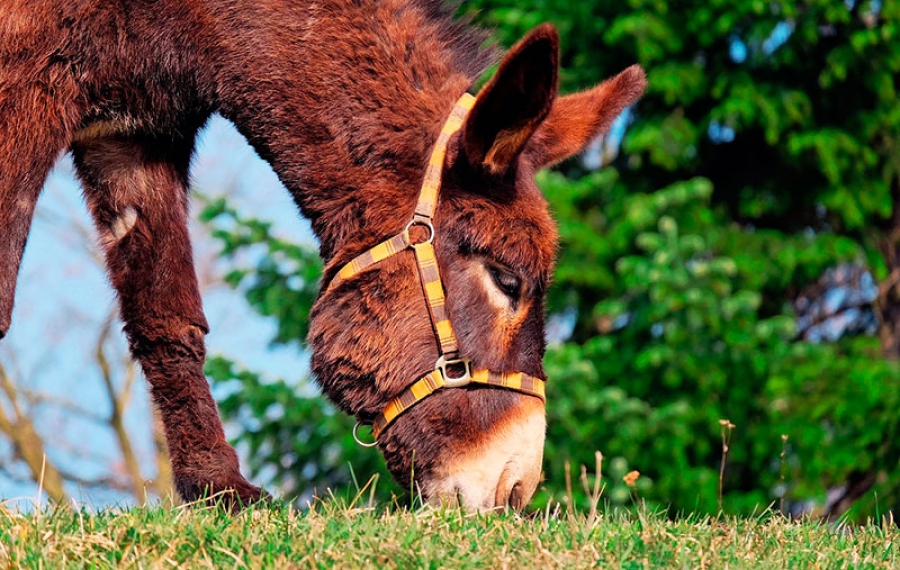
(451, 370)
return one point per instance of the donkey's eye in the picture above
(506, 281)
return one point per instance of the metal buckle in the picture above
(454, 381)
(359, 441)
(421, 221)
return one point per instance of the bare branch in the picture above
(28, 445)
(35, 399)
(114, 483)
(118, 402)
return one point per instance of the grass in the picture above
(336, 534)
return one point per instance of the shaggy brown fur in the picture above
(345, 99)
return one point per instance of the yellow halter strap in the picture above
(450, 370)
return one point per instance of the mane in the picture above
(406, 62)
(390, 73)
(461, 35)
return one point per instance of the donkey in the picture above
(352, 103)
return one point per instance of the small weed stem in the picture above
(784, 440)
(726, 427)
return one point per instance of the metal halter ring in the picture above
(458, 381)
(422, 221)
(359, 441)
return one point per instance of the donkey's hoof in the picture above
(233, 495)
(241, 495)
(238, 495)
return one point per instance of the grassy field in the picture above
(332, 534)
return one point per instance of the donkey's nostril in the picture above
(517, 498)
(513, 497)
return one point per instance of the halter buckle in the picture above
(450, 371)
(419, 220)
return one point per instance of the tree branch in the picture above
(118, 402)
(28, 445)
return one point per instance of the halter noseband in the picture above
(451, 370)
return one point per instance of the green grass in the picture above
(333, 534)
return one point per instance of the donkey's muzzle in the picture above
(501, 470)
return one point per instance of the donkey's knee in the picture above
(172, 355)
(166, 347)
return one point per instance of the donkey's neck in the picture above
(345, 99)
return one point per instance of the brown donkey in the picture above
(346, 99)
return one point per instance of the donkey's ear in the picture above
(512, 105)
(576, 120)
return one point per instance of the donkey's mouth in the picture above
(502, 471)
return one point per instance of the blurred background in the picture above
(725, 317)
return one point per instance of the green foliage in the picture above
(673, 334)
(285, 280)
(808, 92)
(839, 405)
(677, 345)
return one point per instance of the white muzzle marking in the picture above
(503, 470)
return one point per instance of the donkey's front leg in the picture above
(34, 128)
(19, 188)
(136, 190)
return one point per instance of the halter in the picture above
(451, 370)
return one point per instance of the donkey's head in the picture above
(380, 331)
